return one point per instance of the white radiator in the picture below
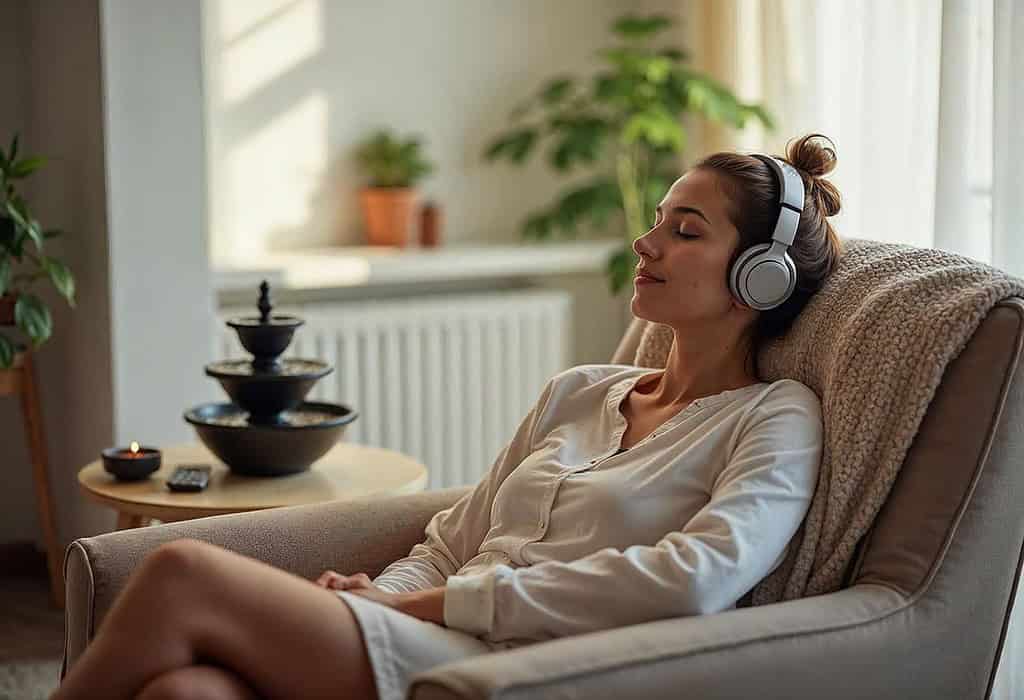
(445, 379)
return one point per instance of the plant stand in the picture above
(20, 380)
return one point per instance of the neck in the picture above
(698, 367)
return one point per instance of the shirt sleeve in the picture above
(454, 535)
(756, 506)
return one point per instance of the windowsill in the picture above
(365, 267)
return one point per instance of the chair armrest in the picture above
(837, 646)
(349, 536)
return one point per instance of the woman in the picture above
(626, 495)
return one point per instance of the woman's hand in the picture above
(332, 580)
(360, 585)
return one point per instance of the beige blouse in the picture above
(566, 535)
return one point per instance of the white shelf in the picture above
(362, 267)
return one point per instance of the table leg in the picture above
(127, 521)
(33, 416)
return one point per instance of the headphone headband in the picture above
(791, 198)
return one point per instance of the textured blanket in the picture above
(873, 344)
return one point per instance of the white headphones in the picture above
(764, 276)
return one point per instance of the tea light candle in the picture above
(133, 463)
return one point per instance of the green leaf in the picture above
(25, 167)
(61, 277)
(32, 316)
(555, 91)
(6, 352)
(581, 141)
(657, 127)
(515, 145)
(5, 274)
(391, 162)
(13, 211)
(615, 88)
(630, 61)
(12, 153)
(537, 227)
(675, 55)
(35, 232)
(633, 27)
(7, 233)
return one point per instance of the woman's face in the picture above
(688, 249)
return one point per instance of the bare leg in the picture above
(198, 683)
(194, 603)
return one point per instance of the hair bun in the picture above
(815, 161)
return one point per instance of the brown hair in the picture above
(753, 193)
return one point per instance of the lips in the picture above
(647, 275)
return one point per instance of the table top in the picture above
(347, 471)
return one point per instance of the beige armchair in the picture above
(923, 615)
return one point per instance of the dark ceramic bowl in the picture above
(270, 450)
(264, 395)
(131, 468)
(266, 341)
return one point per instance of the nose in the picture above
(642, 246)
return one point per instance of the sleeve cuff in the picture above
(469, 602)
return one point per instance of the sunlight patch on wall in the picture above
(273, 175)
(261, 41)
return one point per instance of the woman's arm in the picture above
(453, 536)
(426, 605)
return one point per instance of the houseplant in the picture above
(390, 202)
(22, 260)
(624, 123)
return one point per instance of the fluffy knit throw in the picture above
(873, 344)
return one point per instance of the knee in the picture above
(174, 685)
(196, 683)
(177, 560)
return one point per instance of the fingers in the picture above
(333, 580)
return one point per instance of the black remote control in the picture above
(190, 477)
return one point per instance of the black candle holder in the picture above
(128, 465)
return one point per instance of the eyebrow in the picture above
(687, 210)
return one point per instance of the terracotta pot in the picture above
(391, 214)
(7, 309)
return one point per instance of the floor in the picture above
(31, 627)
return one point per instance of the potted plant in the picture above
(22, 260)
(390, 202)
(624, 121)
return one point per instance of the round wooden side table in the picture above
(347, 471)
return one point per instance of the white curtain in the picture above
(924, 100)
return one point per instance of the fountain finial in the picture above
(264, 303)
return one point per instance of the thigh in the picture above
(286, 636)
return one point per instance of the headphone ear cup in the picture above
(762, 281)
(738, 273)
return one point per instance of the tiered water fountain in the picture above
(268, 428)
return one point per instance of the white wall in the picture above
(294, 85)
(161, 298)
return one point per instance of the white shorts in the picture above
(400, 645)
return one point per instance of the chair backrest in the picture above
(950, 535)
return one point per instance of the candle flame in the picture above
(135, 446)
